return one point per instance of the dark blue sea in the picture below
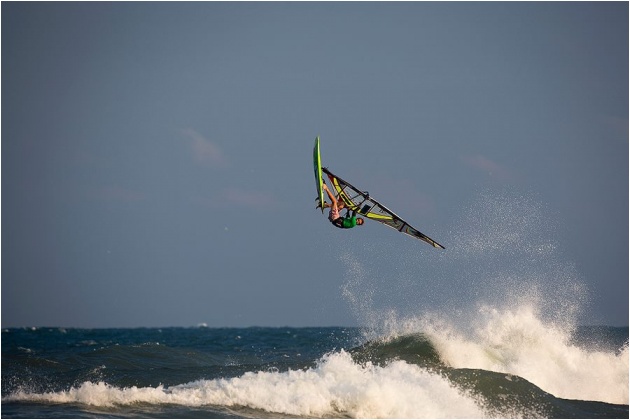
(532, 372)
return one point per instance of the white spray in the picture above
(499, 298)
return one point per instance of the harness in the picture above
(338, 222)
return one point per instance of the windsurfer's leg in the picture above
(331, 196)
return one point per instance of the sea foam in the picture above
(502, 297)
(516, 340)
(337, 386)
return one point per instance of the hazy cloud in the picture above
(489, 167)
(204, 151)
(617, 125)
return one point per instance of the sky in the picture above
(157, 160)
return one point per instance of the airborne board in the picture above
(362, 203)
(317, 165)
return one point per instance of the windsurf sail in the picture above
(365, 205)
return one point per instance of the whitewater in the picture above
(337, 385)
(504, 299)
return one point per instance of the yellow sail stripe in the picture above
(351, 204)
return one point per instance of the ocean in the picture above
(527, 372)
